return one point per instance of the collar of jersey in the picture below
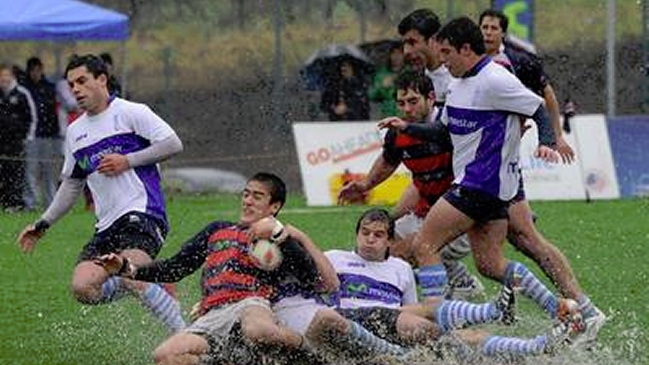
(477, 67)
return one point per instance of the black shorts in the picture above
(133, 230)
(478, 205)
(382, 322)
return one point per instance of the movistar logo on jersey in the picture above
(356, 288)
(84, 163)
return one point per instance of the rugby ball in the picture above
(266, 254)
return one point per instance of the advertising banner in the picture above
(591, 176)
(520, 14)
(594, 156)
(332, 153)
(547, 181)
(629, 136)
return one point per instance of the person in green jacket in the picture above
(382, 89)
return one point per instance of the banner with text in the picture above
(333, 153)
(629, 136)
(520, 14)
(591, 176)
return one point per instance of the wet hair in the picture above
(410, 79)
(33, 62)
(274, 184)
(93, 63)
(107, 58)
(461, 31)
(377, 215)
(493, 13)
(425, 21)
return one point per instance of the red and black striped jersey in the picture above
(428, 159)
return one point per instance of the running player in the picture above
(522, 231)
(114, 146)
(482, 114)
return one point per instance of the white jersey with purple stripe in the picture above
(483, 116)
(389, 283)
(124, 127)
(440, 77)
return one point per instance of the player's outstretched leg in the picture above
(461, 284)
(520, 277)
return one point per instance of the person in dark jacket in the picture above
(17, 112)
(345, 96)
(44, 143)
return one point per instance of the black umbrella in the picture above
(379, 51)
(324, 64)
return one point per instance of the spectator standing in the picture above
(345, 97)
(17, 112)
(382, 89)
(44, 144)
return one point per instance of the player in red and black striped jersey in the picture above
(424, 146)
(235, 292)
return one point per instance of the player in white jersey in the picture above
(482, 113)
(417, 31)
(522, 231)
(378, 291)
(114, 146)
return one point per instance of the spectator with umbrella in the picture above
(342, 73)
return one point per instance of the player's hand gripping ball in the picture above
(266, 254)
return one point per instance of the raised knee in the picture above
(259, 333)
(84, 293)
(163, 356)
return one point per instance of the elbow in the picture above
(178, 145)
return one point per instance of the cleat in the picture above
(506, 304)
(464, 288)
(590, 327)
(563, 334)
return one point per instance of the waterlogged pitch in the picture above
(40, 323)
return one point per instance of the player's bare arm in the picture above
(329, 281)
(379, 172)
(563, 148)
(392, 123)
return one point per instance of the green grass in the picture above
(41, 324)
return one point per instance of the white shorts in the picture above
(218, 322)
(407, 225)
(297, 312)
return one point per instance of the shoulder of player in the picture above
(217, 225)
(397, 262)
(129, 106)
(336, 253)
(497, 77)
(523, 59)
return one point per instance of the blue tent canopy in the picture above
(60, 20)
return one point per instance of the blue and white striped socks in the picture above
(518, 276)
(586, 307)
(454, 314)
(370, 342)
(113, 289)
(163, 306)
(497, 345)
(432, 280)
